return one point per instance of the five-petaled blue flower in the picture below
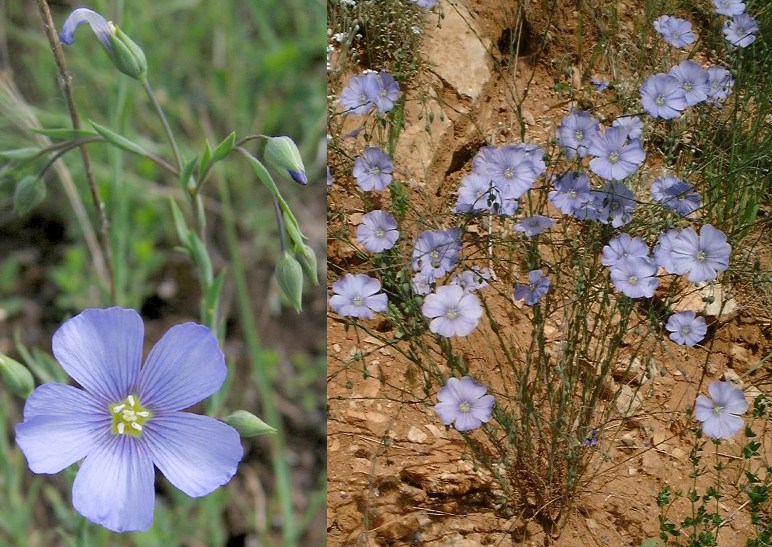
(127, 418)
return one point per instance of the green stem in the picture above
(272, 417)
(164, 121)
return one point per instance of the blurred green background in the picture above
(252, 66)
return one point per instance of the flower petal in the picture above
(102, 351)
(114, 486)
(98, 24)
(61, 416)
(196, 453)
(185, 367)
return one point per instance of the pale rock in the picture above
(628, 401)
(336, 348)
(370, 387)
(732, 377)
(415, 435)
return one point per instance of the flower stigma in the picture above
(464, 406)
(129, 417)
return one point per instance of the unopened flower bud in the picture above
(289, 274)
(125, 54)
(283, 155)
(16, 376)
(247, 424)
(307, 259)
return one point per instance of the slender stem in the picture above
(256, 353)
(280, 223)
(164, 121)
(64, 80)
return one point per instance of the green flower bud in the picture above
(289, 274)
(282, 155)
(247, 424)
(307, 259)
(16, 376)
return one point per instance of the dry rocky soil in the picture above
(396, 475)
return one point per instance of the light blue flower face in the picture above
(127, 419)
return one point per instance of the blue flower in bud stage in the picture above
(662, 96)
(720, 82)
(740, 30)
(635, 277)
(464, 403)
(676, 32)
(572, 191)
(703, 256)
(693, 80)
(538, 285)
(720, 416)
(534, 225)
(358, 96)
(453, 311)
(591, 439)
(675, 194)
(616, 156)
(436, 252)
(126, 56)
(127, 418)
(729, 7)
(686, 328)
(373, 170)
(358, 296)
(632, 124)
(575, 132)
(282, 154)
(378, 231)
(472, 280)
(623, 246)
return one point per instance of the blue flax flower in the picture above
(478, 194)
(537, 287)
(436, 252)
(378, 231)
(720, 82)
(633, 124)
(720, 415)
(621, 247)
(453, 311)
(358, 296)
(613, 203)
(740, 30)
(358, 96)
(101, 27)
(662, 96)
(635, 277)
(534, 225)
(513, 168)
(425, 4)
(729, 7)
(472, 280)
(616, 156)
(572, 191)
(675, 194)
(422, 283)
(600, 85)
(373, 169)
(663, 250)
(127, 418)
(693, 80)
(676, 32)
(575, 132)
(387, 92)
(703, 256)
(464, 403)
(686, 328)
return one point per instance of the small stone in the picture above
(336, 348)
(732, 377)
(415, 435)
(628, 401)
(631, 471)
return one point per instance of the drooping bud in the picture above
(125, 54)
(289, 274)
(282, 155)
(307, 259)
(16, 376)
(247, 424)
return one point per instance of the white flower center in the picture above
(451, 314)
(659, 101)
(700, 256)
(375, 170)
(508, 173)
(718, 410)
(357, 300)
(579, 135)
(128, 417)
(613, 157)
(633, 280)
(685, 330)
(464, 407)
(379, 232)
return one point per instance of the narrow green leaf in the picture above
(200, 257)
(224, 148)
(212, 297)
(30, 191)
(187, 172)
(21, 153)
(206, 159)
(119, 140)
(179, 223)
(247, 424)
(64, 134)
